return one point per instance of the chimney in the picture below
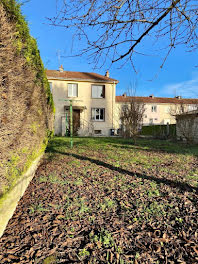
(107, 73)
(124, 95)
(61, 68)
(151, 96)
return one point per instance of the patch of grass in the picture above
(83, 253)
(37, 208)
(50, 260)
(102, 239)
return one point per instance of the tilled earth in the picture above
(107, 201)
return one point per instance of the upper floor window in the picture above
(154, 108)
(98, 91)
(125, 107)
(192, 107)
(72, 90)
(168, 110)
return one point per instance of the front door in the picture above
(76, 121)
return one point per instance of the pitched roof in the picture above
(78, 76)
(156, 100)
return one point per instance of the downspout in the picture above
(113, 103)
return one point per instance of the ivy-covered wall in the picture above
(26, 103)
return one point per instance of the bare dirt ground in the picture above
(108, 201)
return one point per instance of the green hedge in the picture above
(27, 46)
(159, 131)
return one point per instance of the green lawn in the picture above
(109, 201)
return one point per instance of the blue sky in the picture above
(179, 76)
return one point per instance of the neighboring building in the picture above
(93, 97)
(96, 108)
(159, 110)
(187, 126)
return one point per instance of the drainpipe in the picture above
(112, 103)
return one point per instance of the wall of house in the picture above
(161, 116)
(84, 99)
(187, 128)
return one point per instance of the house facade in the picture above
(96, 108)
(159, 110)
(93, 102)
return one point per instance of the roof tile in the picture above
(70, 75)
(156, 100)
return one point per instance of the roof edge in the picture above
(80, 79)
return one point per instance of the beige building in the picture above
(96, 108)
(93, 100)
(159, 110)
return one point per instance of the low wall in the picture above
(9, 202)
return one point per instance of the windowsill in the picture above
(97, 97)
(97, 120)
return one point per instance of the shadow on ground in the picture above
(147, 145)
(175, 184)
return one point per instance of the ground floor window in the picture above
(97, 132)
(151, 121)
(98, 114)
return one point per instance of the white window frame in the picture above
(94, 113)
(71, 93)
(154, 108)
(98, 96)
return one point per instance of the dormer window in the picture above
(98, 91)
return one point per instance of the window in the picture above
(72, 90)
(98, 114)
(50, 84)
(167, 110)
(192, 107)
(151, 121)
(125, 108)
(97, 132)
(98, 91)
(154, 108)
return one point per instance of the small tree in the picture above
(131, 116)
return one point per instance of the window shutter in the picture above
(103, 91)
(69, 90)
(93, 114)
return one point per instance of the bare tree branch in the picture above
(115, 29)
